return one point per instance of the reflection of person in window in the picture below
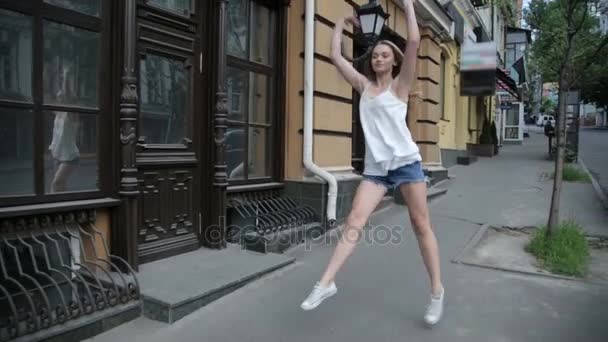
(63, 146)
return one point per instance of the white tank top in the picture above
(388, 141)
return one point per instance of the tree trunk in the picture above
(560, 135)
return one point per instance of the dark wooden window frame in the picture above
(276, 75)
(41, 12)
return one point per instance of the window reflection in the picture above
(258, 147)
(183, 7)
(164, 93)
(249, 31)
(70, 66)
(237, 33)
(237, 82)
(71, 157)
(259, 37)
(15, 56)
(16, 152)
(90, 7)
(259, 98)
(235, 152)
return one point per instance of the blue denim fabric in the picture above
(410, 173)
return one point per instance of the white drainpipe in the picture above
(308, 113)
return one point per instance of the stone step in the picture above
(174, 287)
(466, 160)
(280, 241)
(436, 174)
(87, 326)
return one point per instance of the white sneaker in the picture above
(318, 294)
(435, 309)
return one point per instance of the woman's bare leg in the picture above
(63, 172)
(415, 196)
(366, 199)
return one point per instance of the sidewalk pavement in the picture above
(383, 289)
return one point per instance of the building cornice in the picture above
(431, 15)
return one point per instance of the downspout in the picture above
(492, 6)
(308, 113)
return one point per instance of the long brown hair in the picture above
(397, 55)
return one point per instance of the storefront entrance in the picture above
(174, 78)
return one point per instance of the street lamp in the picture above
(372, 18)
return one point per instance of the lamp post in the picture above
(372, 18)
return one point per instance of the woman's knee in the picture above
(356, 219)
(420, 223)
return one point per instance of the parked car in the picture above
(543, 119)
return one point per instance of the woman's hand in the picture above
(352, 76)
(352, 20)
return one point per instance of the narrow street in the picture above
(383, 288)
(594, 152)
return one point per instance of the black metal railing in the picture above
(57, 268)
(265, 215)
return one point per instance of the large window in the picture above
(50, 100)
(251, 84)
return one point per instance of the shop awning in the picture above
(505, 82)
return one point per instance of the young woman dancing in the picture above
(392, 158)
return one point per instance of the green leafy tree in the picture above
(594, 86)
(547, 106)
(566, 46)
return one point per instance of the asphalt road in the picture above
(383, 289)
(593, 146)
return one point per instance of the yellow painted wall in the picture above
(452, 126)
(428, 112)
(295, 83)
(447, 124)
(332, 148)
(478, 111)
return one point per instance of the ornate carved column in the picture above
(129, 192)
(217, 231)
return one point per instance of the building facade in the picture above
(136, 130)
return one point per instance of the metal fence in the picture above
(55, 269)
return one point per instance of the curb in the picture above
(595, 183)
(475, 240)
(471, 243)
(537, 274)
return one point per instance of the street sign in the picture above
(478, 56)
(506, 105)
(506, 98)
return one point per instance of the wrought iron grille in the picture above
(57, 268)
(265, 213)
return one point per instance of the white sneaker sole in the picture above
(434, 322)
(317, 303)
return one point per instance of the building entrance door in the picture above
(172, 125)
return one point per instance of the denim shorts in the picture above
(410, 173)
